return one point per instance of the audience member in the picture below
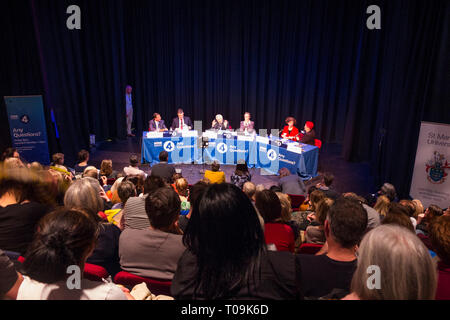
(241, 175)
(440, 239)
(10, 280)
(90, 172)
(24, 199)
(106, 169)
(314, 232)
(286, 213)
(182, 189)
(215, 175)
(372, 215)
(332, 269)
(249, 189)
(411, 211)
(64, 238)
(226, 256)
(275, 231)
(85, 194)
(194, 196)
(407, 271)
(398, 215)
(163, 169)
(326, 188)
(133, 168)
(388, 190)
(154, 252)
(424, 220)
(134, 214)
(83, 159)
(291, 184)
(382, 206)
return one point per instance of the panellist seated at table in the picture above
(309, 137)
(290, 131)
(181, 123)
(219, 123)
(247, 125)
(157, 124)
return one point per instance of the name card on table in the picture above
(262, 140)
(155, 134)
(190, 134)
(245, 138)
(294, 148)
(210, 135)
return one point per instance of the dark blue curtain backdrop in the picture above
(314, 60)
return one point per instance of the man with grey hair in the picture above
(249, 189)
(331, 270)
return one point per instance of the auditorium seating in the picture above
(157, 287)
(309, 248)
(94, 272)
(318, 143)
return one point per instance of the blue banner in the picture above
(27, 127)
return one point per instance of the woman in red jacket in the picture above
(290, 131)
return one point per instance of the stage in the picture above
(354, 177)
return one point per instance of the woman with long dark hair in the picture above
(227, 257)
(241, 175)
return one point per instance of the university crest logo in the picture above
(435, 168)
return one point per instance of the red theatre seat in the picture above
(156, 287)
(309, 248)
(296, 200)
(318, 143)
(94, 272)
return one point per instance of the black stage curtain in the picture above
(315, 60)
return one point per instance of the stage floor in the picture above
(349, 176)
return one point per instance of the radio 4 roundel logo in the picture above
(435, 168)
(25, 119)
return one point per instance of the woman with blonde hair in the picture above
(315, 232)
(393, 264)
(382, 206)
(182, 189)
(106, 170)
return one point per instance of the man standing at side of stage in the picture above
(181, 123)
(129, 109)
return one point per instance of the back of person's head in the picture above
(83, 155)
(58, 158)
(138, 182)
(163, 208)
(64, 238)
(196, 192)
(163, 156)
(276, 188)
(311, 190)
(13, 163)
(389, 191)
(439, 231)
(84, 194)
(398, 215)
(225, 235)
(284, 172)
(215, 166)
(382, 205)
(260, 187)
(433, 211)
(419, 207)
(286, 207)
(241, 169)
(404, 266)
(347, 222)
(409, 206)
(36, 166)
(249, 189)
(315, 197)
(134, 160)
(322, 209)
(153, 183)
(354, 197)
(106, 168)
(182, 187)
(126, 190)
(176, 176)
(328, 178)
(268, 205)
(90, 172)
(9, 153)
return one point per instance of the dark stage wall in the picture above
(315, 60)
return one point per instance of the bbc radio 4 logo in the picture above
(435, 168)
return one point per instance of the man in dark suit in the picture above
(156, 124)
(163, 170)
(181, 122)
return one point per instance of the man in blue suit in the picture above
(156, 124)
